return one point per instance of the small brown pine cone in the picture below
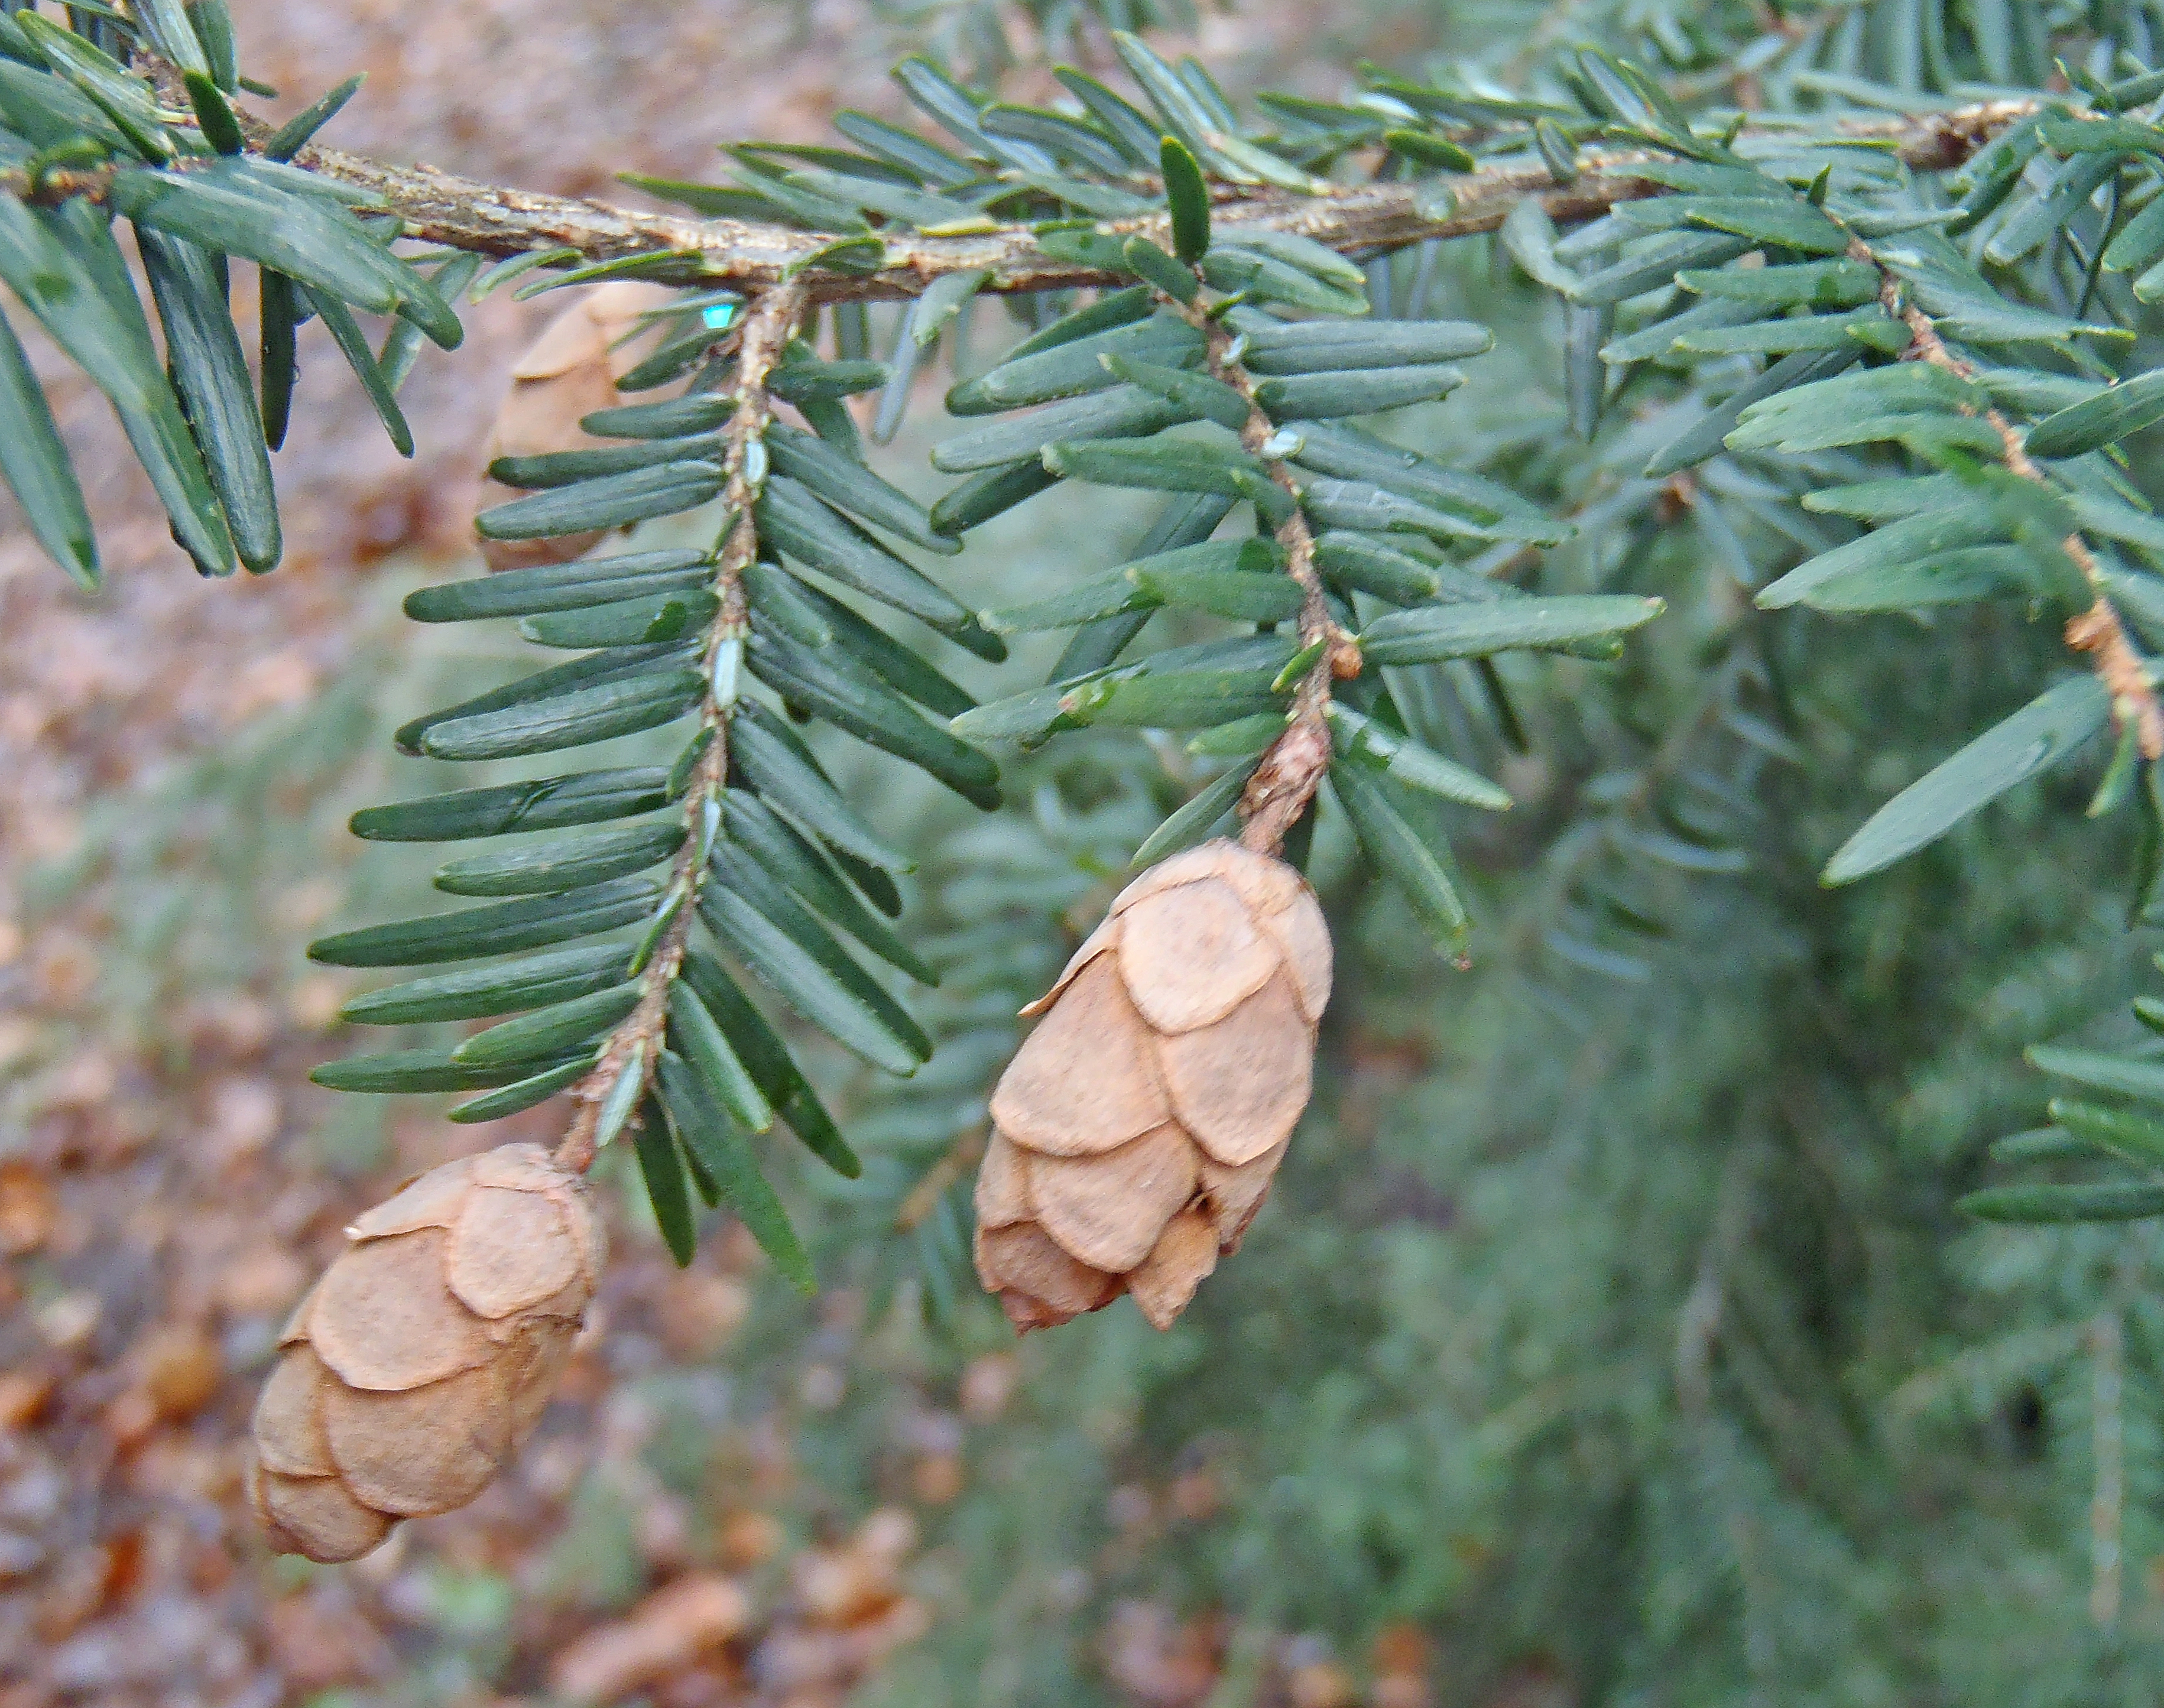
(1135, 1133)
(422, 1358)
(565, 375)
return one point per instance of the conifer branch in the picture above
(463, 213)
(2098, 631)
(1291, 770)
(635, 1046)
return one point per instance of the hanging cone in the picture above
(565, 375)
(422, 1358)
(1135, 1133)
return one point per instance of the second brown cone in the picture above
(1135, 1133)
(423, 1357)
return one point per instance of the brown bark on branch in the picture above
(442, 208)
(1283, 785)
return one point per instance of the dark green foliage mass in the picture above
(1713, 533)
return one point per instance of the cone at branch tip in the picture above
(1137, 1130)
(422, 1359)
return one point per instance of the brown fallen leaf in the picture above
(751, 1538)
(27, 1207)
(318, 1644)
(24, 1396)
(936, 1479)
(178, 1366)
(666, 1632)
(1320, 1684)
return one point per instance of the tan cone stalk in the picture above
(1135, 1132)
(422, 1358)
(564, 375)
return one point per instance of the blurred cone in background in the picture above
(566, 374)
(1135, 1132)
(422, 1358)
